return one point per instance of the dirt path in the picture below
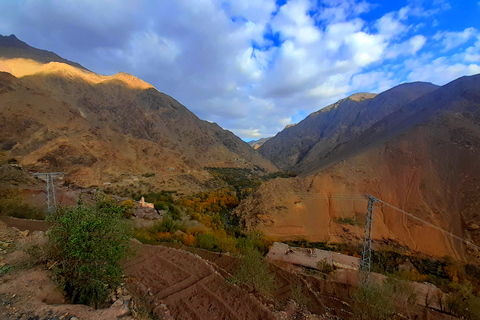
(190, 287)
(24, 224)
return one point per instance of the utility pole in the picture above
(51, 199)
(366, 260)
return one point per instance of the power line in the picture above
(431, 225)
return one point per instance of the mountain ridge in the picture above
(109, 129)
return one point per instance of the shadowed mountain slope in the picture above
(313, 143)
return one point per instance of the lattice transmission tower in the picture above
(51, 199)
(366, 260)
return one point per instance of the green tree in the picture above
(254, 272)
(87, 242)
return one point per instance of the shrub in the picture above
(350, 221)
(324, 266)
(128, 207)
(297, 293)
(373, 302)
(254, 272)
(166, 225)
(403, 294)
(462, 302)
(206, 241)
(87, 242)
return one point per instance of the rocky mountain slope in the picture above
(314, 142)
(57, 116)
(255, 144)
(421, 157)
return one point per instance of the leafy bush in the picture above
(403, 294)
(217, 241)
(87, 242)
(254, 272)
(324, 266)
(166, 225)
(373, 302)
(297, 293)
(462, 302)
(350, 221)
(128, 207)
(206, 241)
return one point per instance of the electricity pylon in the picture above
(366, 260)
(51, 199)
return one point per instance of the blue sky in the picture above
(254, 66)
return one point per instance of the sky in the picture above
(255, 66)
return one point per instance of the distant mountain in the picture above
(255, 144)
(317, 141)
(110, 130)
(11, 47)
(415, 146)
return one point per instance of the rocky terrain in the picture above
(420, 156)
(102, 130)
(258, 143)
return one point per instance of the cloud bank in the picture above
(254, 66)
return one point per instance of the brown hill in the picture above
(108, 129)
(421, 158)
(255, 144)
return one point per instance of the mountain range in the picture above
(415, 146)
(55, 115)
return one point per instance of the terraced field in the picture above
(189, 286)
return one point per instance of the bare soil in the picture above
(190, 287)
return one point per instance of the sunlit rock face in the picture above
(58, 116)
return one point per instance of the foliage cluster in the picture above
(243, 180)
(440, 272)
(324, 266)
(87, 242)
(462, 302)
(350, 221)
(297, 293)
(11, 204)
(210, 208)
(380, 301)
(254, 272)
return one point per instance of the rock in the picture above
(117, 303)
(473, 226)
(24, 233)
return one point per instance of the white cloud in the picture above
(450, 40)
(408, 47)
(251, 66)
(441, 70)
(389, 26)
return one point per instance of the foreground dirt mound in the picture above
(188, 286)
